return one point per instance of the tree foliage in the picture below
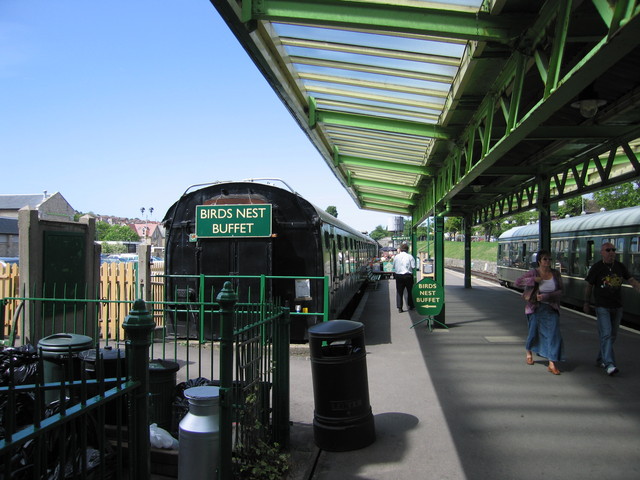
(332, 210)
(571, 207)
(620, 196)
(115, 233)
(379, 232)
(453, 225)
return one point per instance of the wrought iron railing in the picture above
(246, 353)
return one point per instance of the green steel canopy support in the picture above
(467, 251)
(585, 174)
(438, 248)
(559, 91)
(387, 208)
(360, 182)
(544, 213)
(376, 123)
(381, 165)
(387, 198)
(409, 18)
(458, 109)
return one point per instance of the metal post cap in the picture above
(227, 295)
(139, 316)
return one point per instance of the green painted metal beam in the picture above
(585, 175)
(590, 133)
(386, 208)
(382, 165)
(557, 50)
(356, 67)
(361, 182)
(602, 57)
(373, 123)
(397, 17)
(366, 196)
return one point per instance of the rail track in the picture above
(491, 277)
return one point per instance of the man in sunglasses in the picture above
(604, 280)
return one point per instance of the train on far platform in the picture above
(575, 246)
(242, 230)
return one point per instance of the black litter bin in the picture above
(342, 418)
(114, 365)
(162, 384)
(60, 359)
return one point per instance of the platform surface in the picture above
(461, 403)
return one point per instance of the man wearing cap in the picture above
(604, 280)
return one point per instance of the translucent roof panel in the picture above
(451, 104)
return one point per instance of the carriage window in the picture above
(634, 257)
(589, 254)
(575, 258)
(533, 249)
(513, 254)
(608, 240)
(334, 261)
(562, 255)
(339, 242)
(503, 254)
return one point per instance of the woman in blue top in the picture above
(543, 289)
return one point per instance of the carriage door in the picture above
(252, 257)
(234, 257)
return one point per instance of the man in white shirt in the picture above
(403, 267)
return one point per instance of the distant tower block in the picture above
(396, 224)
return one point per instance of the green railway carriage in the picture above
(243, 230)
(575, 246)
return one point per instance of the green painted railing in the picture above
(248, 357)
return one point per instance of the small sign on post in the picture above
(252, 220)
(428, 297)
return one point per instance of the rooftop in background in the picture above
(50, 206)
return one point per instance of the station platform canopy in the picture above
(470, 108)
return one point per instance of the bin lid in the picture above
(202, 393)
(159, 365)
(108, 353)
(336, 328)
(63, 342)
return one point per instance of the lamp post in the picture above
(146, 222)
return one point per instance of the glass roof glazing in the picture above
(380, 75)
(400, 96)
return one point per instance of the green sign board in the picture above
(428, 297)
(253, 220)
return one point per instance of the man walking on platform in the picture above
(403, 267)
(607, 277)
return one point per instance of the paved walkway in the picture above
(462, 404)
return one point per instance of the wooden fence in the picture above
(118, 290)
(9, 287)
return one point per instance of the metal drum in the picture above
(60, 360)
(199, 435)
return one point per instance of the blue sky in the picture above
(124, 104)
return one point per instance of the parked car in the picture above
(9, 260)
